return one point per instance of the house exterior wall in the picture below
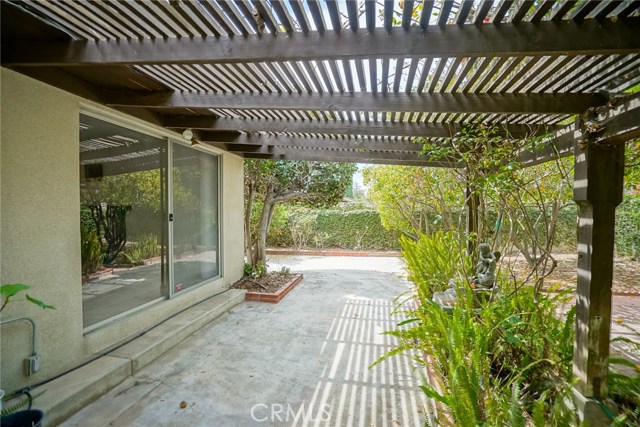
(40, 232)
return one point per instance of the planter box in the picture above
(276, 296)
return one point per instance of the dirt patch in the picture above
(268, 283)
(626, 272)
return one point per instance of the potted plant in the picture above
(12, 416)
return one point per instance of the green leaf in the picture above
(8, 291)
(40, 303)
(404, 322)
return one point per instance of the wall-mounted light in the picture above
(187, 134)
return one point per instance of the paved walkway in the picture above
(302, 362)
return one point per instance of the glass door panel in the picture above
(123, 228)
(195, 216)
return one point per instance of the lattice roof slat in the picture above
(482, 11)
(582, 11)
(442, 62)
(384, 81)
(425, 16)
(491, 72)
(475, 74)
(533, 72)
(541, 10)
(501, 11)
(316, 14)
(397, 74)
(335, 75)
(521, 11)
(445, 11)
(265, 13)
(562, 10)
(504, 73)
(628, 8)
(411, 75)
(246, 16)
(611, 65)
(88, 15)
(120, 15)
(605, 8)
(464, 11)
(315, 65)
(407, 13)
(359, 67)
(632, 63)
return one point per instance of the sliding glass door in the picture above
(123, 190)
(194, 179)
(149, 219)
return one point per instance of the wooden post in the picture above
(598, 185)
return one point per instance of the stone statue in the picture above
(485, 276)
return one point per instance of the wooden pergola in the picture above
(359, 81)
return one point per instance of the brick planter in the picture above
(275, 297)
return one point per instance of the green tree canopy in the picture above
(413, 200)
(277, 181)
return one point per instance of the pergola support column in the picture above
(598, 185)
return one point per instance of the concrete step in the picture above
(70, 393)
(113, 404)
(156, 342)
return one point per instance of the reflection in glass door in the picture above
(194, 216)
(122, 215)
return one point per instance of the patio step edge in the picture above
(70, 393)
(117, 402)
(156, 342)
(67, 395)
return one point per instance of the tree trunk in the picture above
(248, 238)
(265, 219)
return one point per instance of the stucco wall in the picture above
(40, 232)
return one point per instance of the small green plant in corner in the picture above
(259, 270)
(11, 290)
(286, 271)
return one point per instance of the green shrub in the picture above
(279, 234)
(146, 248)
(624, 381)
(91, 251)
(434, 260)
(505, 361)
(302, 226)
(628, 227)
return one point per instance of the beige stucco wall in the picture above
(40, 231)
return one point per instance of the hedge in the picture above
(628, 227)
(361, 229)
(330, 228)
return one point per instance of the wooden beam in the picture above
(427, 130)
(538, 103)
(327, 155)
(250, 142)
(339, 159)
(523, 39)
(612, 124)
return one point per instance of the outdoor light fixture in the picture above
(187, 134)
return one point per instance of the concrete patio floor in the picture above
(302, 362)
